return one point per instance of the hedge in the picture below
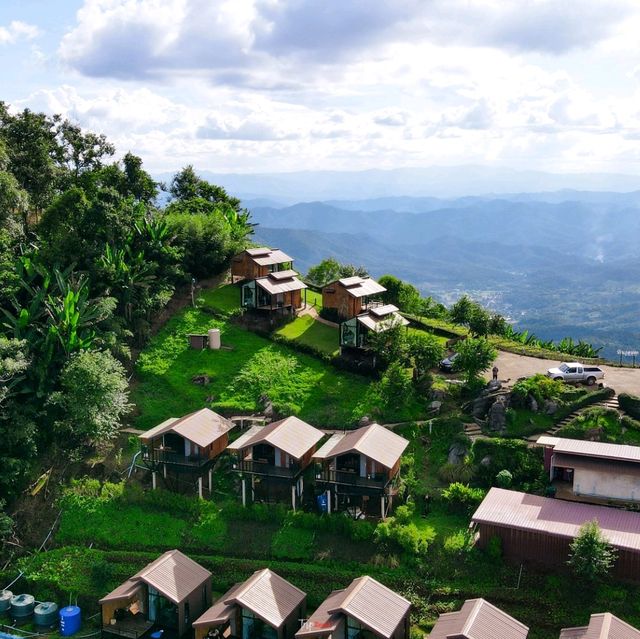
(586, 400)
(630, 404)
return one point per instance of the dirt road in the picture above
(511, 366)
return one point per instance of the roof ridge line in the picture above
(472, 617)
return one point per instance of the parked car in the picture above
(446, 364)
(576, 372)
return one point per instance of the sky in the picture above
(286, 85)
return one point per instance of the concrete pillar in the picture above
(244, 492)
(200, 487)
(293, 497)
(164, 470)
(210, 479)
(328, 502)
(253, 488)
(154, 480)
(382, 506)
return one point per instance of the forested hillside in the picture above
(87, 259)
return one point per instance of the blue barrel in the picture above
(45, 614)
(70, 620)
(22, 608)
(5, 601)
(322, 503)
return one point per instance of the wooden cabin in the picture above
(185, 448)
(279, 291)
(351, 296)
(359, 470)
(265, 606)
(478, 619)
(355, 332)
(258, 262)
(602, 626)
(540, 529)
(168, 594)
(271, 460)
(592, 470)
(364, 609)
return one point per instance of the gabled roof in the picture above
(275, 283)
(600, 450)
(268, 596)
(556, 517)
(291, 435)
(373, 441)
(478, 619)
(202, 427)
(602, 626)
(265, 256)
(220, 611)
(382, 318)
(173, 575)
(323, 622)
(360, 286)
(373, 605)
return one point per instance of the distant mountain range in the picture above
(558, 263)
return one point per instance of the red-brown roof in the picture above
(478, 619)
(602, 626)
(521, 511)
(584, 448)
(173, 575)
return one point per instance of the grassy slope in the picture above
(308, 331)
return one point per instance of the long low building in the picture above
(540, 529)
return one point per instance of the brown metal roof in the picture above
(602, 626)
(361, 286)
(323, 622)
(374, 441)
(601, 450)
(268, 596)
(258, 252)
(274, 285)
(271, 256)
(173, 575)
(381, 322)
(478, 619)
(373, 605)
(291, 435)
(220, 611)
(521, 511)
(202, 427)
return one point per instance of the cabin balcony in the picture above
(172, 458)
(352, 478)
(131, 627)
(256, 467)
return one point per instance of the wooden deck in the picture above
(132, 628)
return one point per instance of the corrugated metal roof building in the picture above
(365, 604)
(602, 626)
(540, 529)
(478, 619)
(351, 296)
(258, 262)
(264, 598)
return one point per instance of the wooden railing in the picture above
(264, 468)
(168, 457)
(353, 479)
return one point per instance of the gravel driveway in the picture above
(511, 366)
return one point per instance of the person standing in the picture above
(495, 373)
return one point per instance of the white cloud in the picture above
(16, 31)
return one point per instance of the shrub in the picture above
(451, 473)
(460, 498)
(630, 404)
(494, 548)
(540, 387)
(525, 464)
(591, 556)
(504, 479)
(459, 542)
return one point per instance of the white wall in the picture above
(605, 484)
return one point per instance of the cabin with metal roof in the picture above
(602, 626)
(358, 470)
(167, 594)
(258, 262)
(181, 451)
(265, 606)
(540, 529)
(355, 332)
(280, 291)
(271, 460)
(593, 470)
(365, 609)
(478, 619)
(351, 296)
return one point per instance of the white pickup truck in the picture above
(575, 372)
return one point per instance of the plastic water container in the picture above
(70, 620)
(5, 601)
(45, 614)
(22, 608)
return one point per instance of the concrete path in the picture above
(312, 312)
(512, 366)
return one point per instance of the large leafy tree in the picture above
(591, 556)
(426, 351)
(475, 355)
(330, 270)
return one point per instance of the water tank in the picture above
(69, 620)
(214, 338)
(5, 601)
(45, 614)
(22, 608)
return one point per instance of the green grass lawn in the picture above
(307, 330)
(522, 423)
(314, 298)
(224, 298)
(296, 383)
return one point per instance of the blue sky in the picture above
(278, 85)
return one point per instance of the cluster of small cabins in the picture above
(268, 284)
(172, 597)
